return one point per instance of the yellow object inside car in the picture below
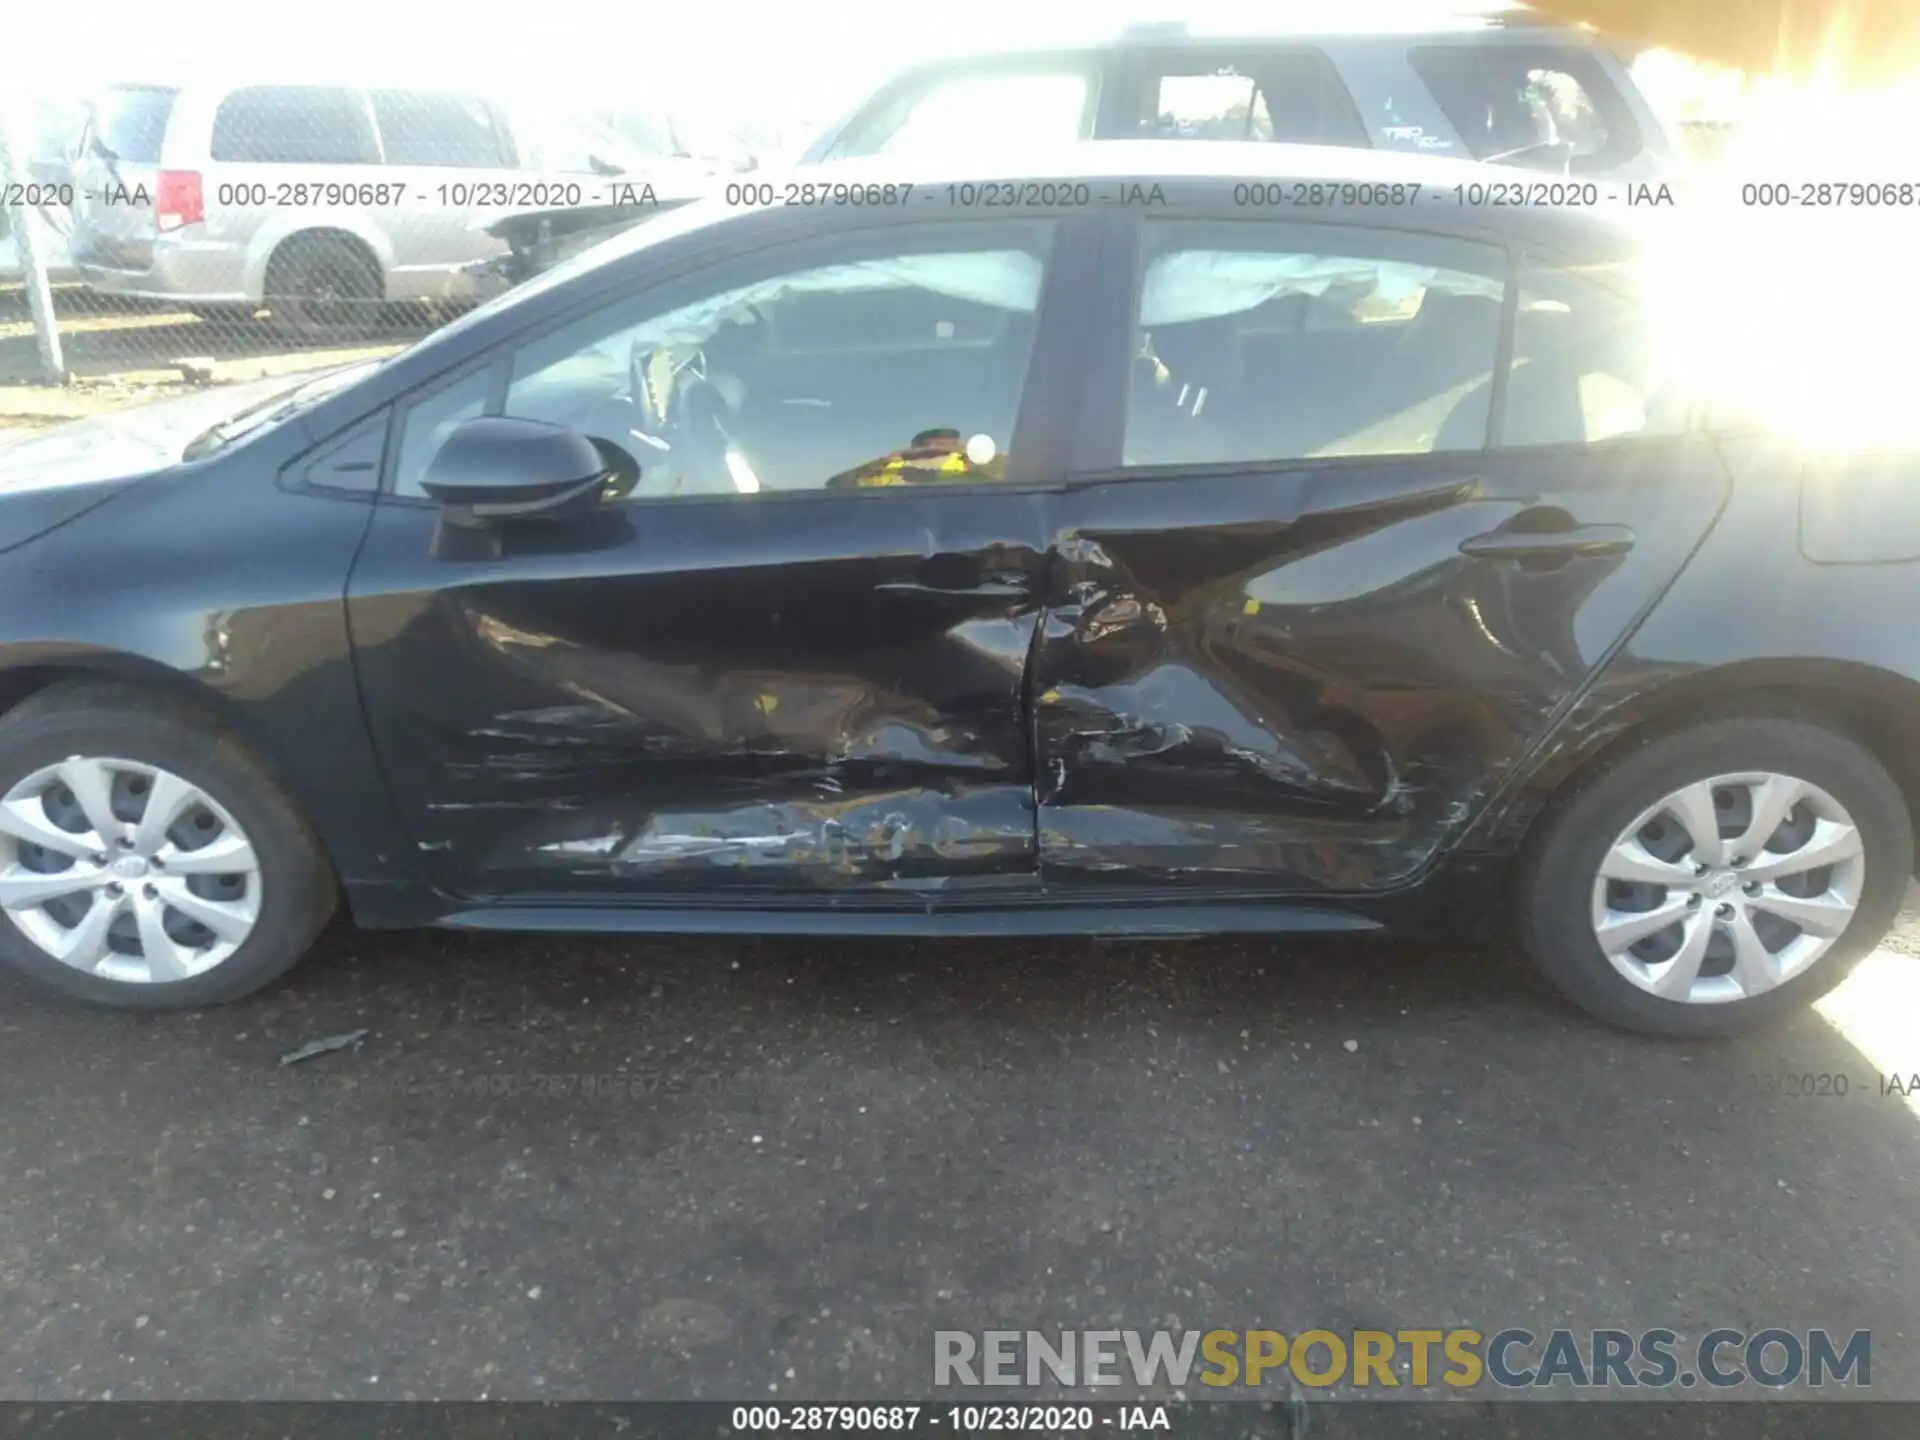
(931, 457)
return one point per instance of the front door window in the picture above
(876, 371)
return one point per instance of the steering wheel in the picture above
(701, 433)
(698, 431)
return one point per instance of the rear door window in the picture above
(1295, 97)
(132, 122)
(1259, 343)
(419, 128)
(1541, 106)
(294, 125)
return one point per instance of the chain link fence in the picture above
(153, 236)
(188, 205)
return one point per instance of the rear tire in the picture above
(1563, 898)
(151, 746)
(323, 289)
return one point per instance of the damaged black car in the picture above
(1075, 552)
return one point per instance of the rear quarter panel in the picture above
(1752, 622)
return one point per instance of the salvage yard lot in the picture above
(612, 1167)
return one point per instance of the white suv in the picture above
(317, 201)
(1496, 84)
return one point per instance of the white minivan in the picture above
(321, 202)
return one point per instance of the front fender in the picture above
(213, 583)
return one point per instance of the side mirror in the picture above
(498, 468)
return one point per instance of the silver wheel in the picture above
(1728, 888)
(126, 871)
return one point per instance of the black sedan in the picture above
(1179, 539)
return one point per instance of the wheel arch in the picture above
(23, 678)
(20, 682)
(1878, 709)
(365, 241)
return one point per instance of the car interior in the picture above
(1302, 375)
(1352, 370)
(873, 375)
(803, 382)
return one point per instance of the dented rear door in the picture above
(1308, 675)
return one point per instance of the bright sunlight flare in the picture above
(1790, 271)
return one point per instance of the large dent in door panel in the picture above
(861, 726)
(1174, 713)
(1317, 704)
(894, 835)
(892, 788)
(625, 706)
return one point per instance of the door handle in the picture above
(1540, 544)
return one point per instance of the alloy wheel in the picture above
(126, 871)
(1728, 887)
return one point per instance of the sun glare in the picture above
(1788, 272)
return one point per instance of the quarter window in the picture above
(1256, 343)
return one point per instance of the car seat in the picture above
(1175, 407)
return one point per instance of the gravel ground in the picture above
(611, 1168)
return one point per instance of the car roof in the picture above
(1279, 24)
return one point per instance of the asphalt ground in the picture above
(624, 1167)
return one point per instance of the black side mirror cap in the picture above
(498, 468)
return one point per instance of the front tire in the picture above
(147, 860)
(1718, 878)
